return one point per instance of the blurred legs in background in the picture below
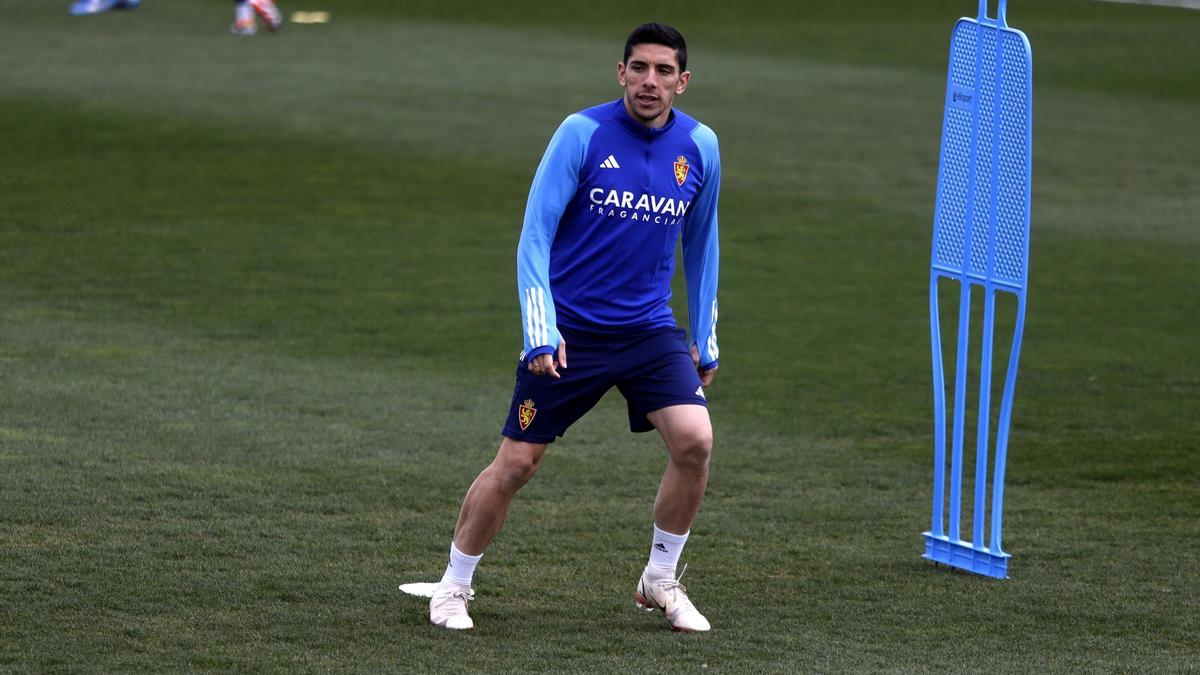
(244, 12)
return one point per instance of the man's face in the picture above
(652, 80)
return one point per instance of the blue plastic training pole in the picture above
(980, 238)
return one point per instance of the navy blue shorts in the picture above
(652, 370)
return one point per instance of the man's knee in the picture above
(687, 432)
(693, 447)
(517, 462)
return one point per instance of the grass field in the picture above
(258, 320)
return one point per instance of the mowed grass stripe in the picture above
(239, 548)
(335, 258)
(867, 131)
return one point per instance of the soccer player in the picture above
(83, 7)
(243, 16)
(619, 184)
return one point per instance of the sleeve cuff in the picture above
(545, 349)
(709, 366)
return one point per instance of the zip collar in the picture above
(637, 128)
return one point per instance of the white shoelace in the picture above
(461, 595)
(674, 586)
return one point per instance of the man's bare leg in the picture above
(687, 432)
(482, 515)
(486, 505)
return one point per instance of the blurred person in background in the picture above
(81, 7)
(244, 22)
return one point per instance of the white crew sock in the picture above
(664, 553)
(461, 567)
(245, 13)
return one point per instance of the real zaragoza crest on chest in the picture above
(681, 169)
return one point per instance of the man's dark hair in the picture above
(658, 34)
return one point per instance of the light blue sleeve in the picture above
(701, 251)
(554, 184)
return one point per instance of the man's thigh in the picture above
(683, 426)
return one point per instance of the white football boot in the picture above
(671, 597)
(247, 27)
(448, 606)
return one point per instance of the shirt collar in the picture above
(637, 128)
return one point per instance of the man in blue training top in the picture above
(619, 184)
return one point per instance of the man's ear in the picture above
(682, 84)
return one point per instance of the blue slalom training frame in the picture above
(980, 239)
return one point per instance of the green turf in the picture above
(258, 319)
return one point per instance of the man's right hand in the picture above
(706, 375)
(545, 364)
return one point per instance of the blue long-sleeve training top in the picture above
(608, 202)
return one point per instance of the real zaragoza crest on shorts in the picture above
(526, 413)
(681, 169)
